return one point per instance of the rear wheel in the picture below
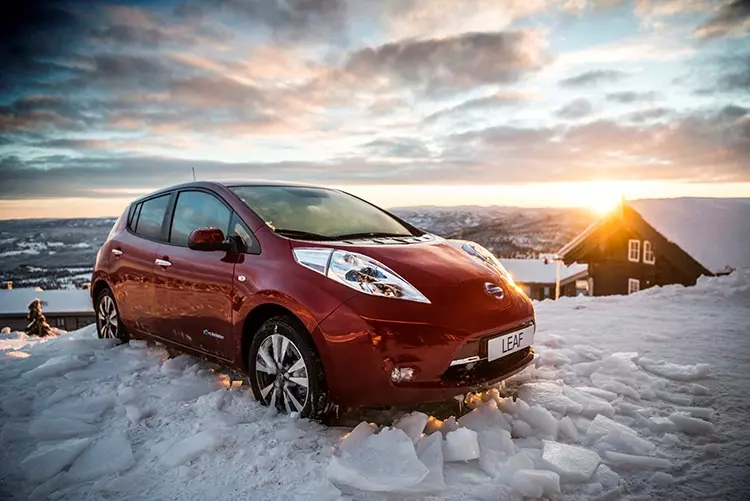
(286, 371)
(108, 324)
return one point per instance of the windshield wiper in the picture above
(300, 234)
(370, 234)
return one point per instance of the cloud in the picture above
(578, 108)
(593, 77)
(626, 97)
(484, 104)
(649, 114)
(731, 19)
(458, 62)
(400, 147)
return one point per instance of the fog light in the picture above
(401, 374)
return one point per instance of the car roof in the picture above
(227, 184)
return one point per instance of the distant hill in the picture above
(506, 231)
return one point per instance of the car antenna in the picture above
(193, 173)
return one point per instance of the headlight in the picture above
(485, 256)
(359, 272)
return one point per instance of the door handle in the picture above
(163, 262)
(116, 252)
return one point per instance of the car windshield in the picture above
(318, 213)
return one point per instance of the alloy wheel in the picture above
(282, 374)
(107, 318)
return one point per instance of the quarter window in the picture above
(648, 253)
(634, 250)
(196, 209)
(151, 217)
(634, 285)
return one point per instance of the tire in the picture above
(108, 323)
(287, 391)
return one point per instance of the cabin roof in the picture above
(536, 271)
(715, 232)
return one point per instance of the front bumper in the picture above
(362, 351)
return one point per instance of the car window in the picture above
(239, 229)
(196, 209)
(151, 217)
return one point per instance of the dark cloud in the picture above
(626, 97)
(32, 35)
(578, 108)
(649, 114)
(400, 147)
(593, 77)
(457, 62)
(730, 19)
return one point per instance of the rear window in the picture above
(151, 217)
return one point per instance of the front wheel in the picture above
(108, 324)
(286, 371)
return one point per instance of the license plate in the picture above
(512, 342)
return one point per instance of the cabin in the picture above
(538, 277)
(65, 309)
(647, 243)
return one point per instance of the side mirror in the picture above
(208, 239)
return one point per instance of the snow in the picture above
(714, 231)
(536, 271)
(16, 301)
(618, 413)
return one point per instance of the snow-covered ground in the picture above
(633, 397)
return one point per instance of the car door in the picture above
(131, 264)
(193, 293)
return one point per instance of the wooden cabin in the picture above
(538, 277)
(645, 243)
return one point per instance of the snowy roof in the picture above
(714, 231)
(16, 301)
(535, 271)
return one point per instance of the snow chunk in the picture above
(56, 366)
(674, 398)
(567, 428)
(675, 372)
(536, 483)
(461, 445)
(541, 420)
(606, 477)
(430, 453)
(384, 462)
(548, 395)
(598, 392)
(190, 448)
(609, 434)
(573, 464)
(412, 424)
(495, 447)
(49, 460)
(56, 428)
(136, 414)
(662, 479)
(661, 424)
(521, 429)
(629, 461)
(589, 404)
(110, 455)
(356, 437)
(691, 425)
(698, 412)
(486, 416)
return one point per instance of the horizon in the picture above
(527, 104)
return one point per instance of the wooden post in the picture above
(557, 277)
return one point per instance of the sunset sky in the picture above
(405, 102)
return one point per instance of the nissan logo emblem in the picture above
(494, 290)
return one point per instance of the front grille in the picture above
(480, 372)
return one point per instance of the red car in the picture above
(321, 298)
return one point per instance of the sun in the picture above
(601, 196)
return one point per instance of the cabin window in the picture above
(634, 285)
(634, 250)
(648, 253)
